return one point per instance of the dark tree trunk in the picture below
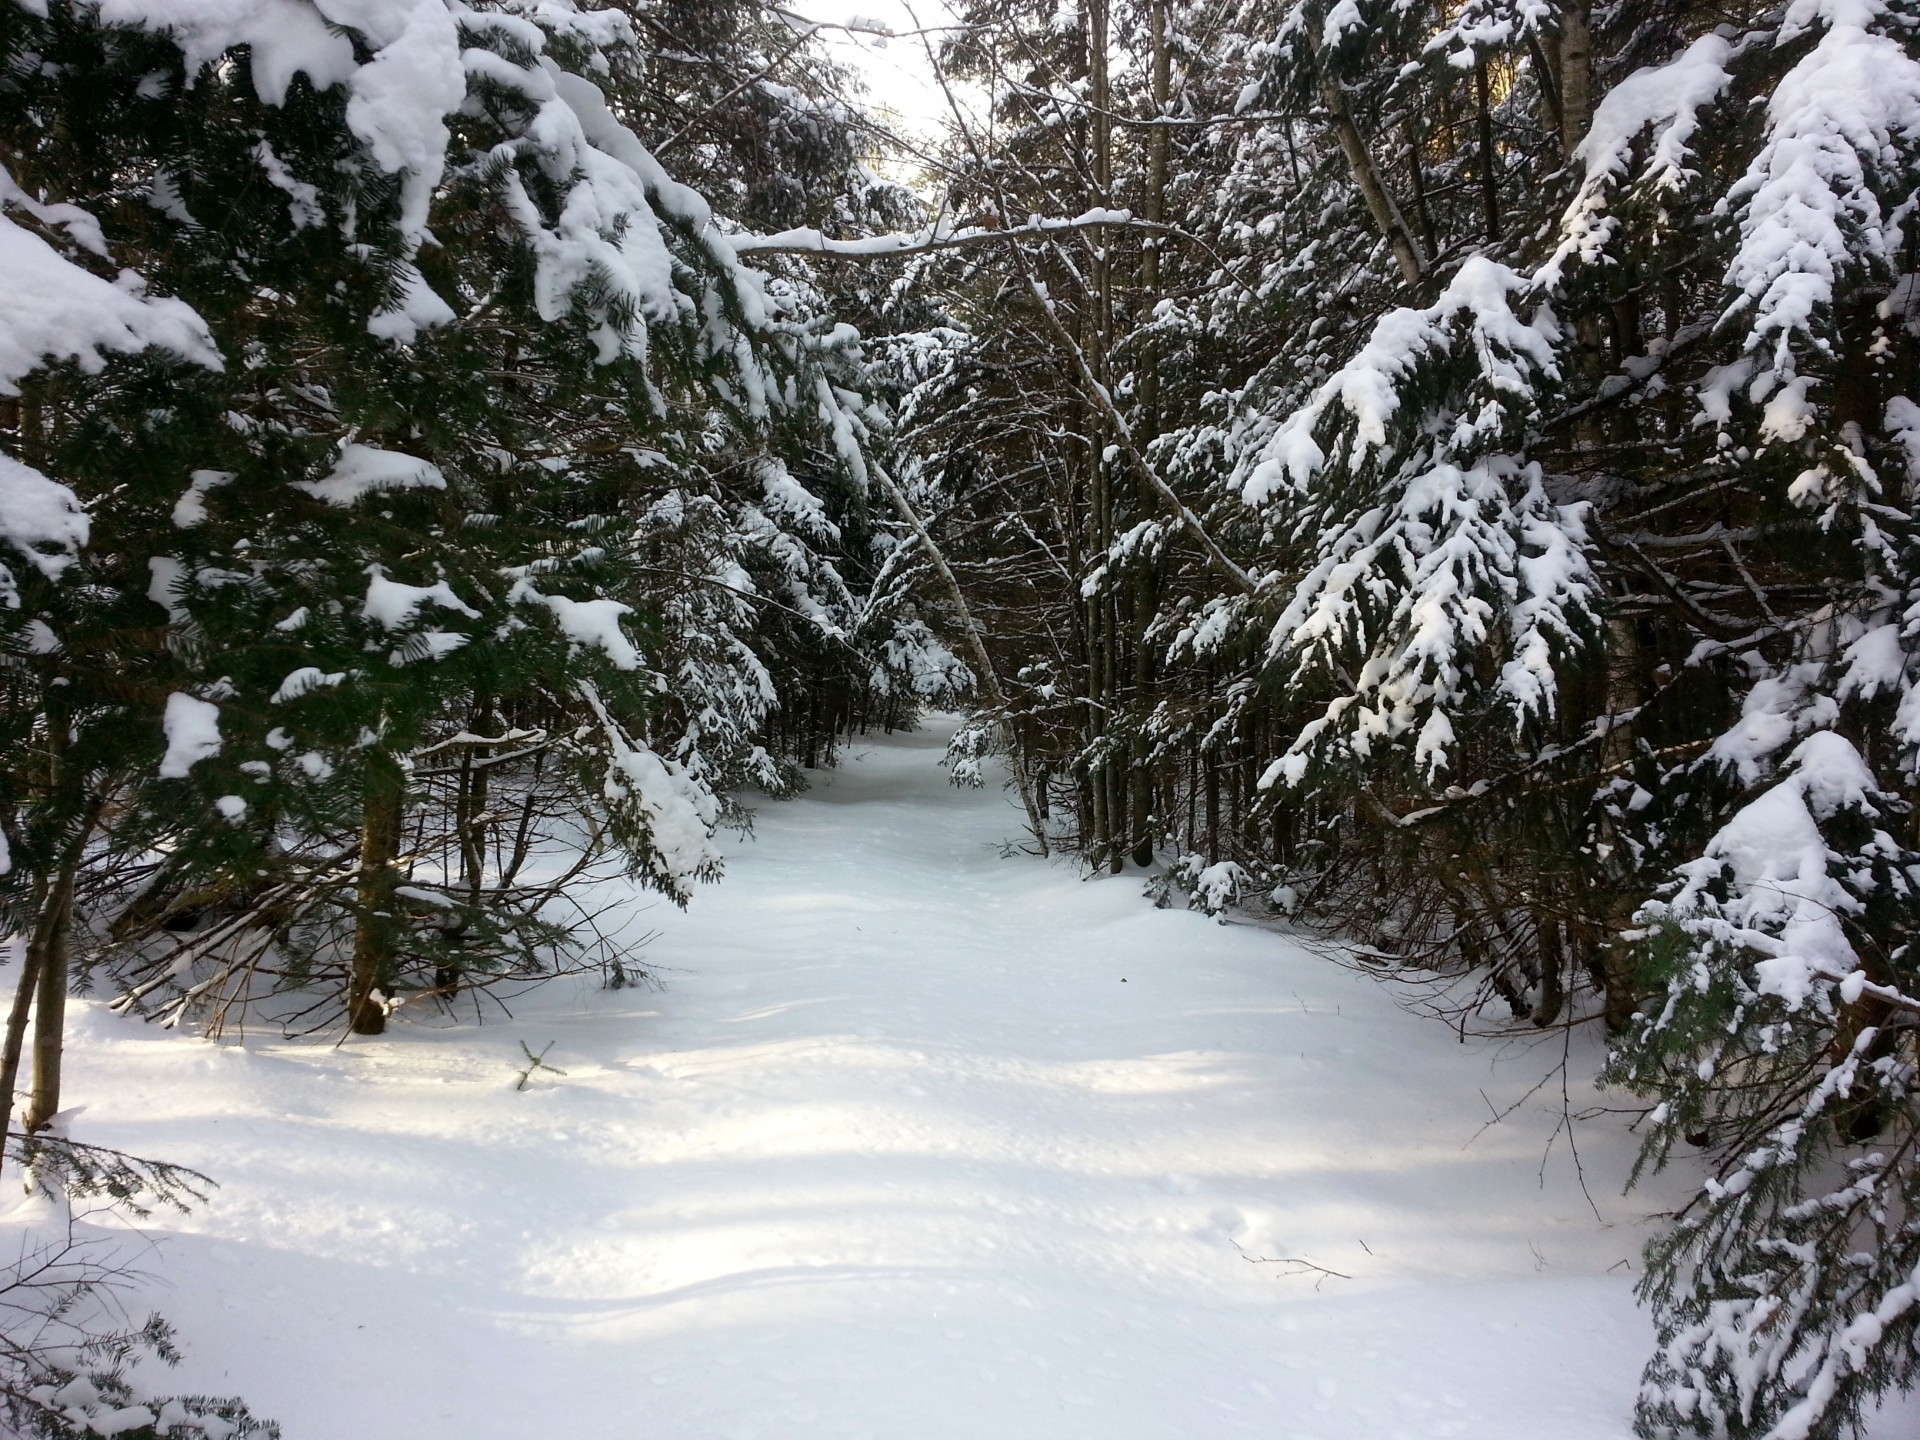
(376, 932)
(47, 958)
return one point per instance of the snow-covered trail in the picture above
(920, 1142)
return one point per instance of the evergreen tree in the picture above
(1551, 377)
(510, 494)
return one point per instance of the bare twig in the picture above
(536, 1062)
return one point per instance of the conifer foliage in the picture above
(1469, 504)
(1444, 472)
(404, 475)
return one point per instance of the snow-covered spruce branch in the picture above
(860, 25)
(738, 90)
(936, 238)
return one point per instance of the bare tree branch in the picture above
(886, 247)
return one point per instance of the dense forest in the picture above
(1442, 475)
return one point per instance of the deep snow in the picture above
(920, 1142)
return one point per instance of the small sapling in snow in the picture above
(536, 1062)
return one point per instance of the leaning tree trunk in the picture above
(987, 676)
(16, 1037)
(1387, 217)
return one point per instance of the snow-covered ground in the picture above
(920, 1142)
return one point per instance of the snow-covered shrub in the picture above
(1783, 1045)
(1214, 888)
(69, 1360)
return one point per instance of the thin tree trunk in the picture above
(1142, 807)
(16, 1037)
(1154, 206)
(1193, 798)
(1366, 175)
(470, 820)
(1551, 996)
(375, 931)
(1614, 959)
(1102, 400)
(1100, 805)
(48, 940)
(48, 954)
(1489, 158)
(1097, 347)
(1144, 596)
(1211, 765)
(470, 829)
(983, 668)
(1417, 184)
(1546, 72)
